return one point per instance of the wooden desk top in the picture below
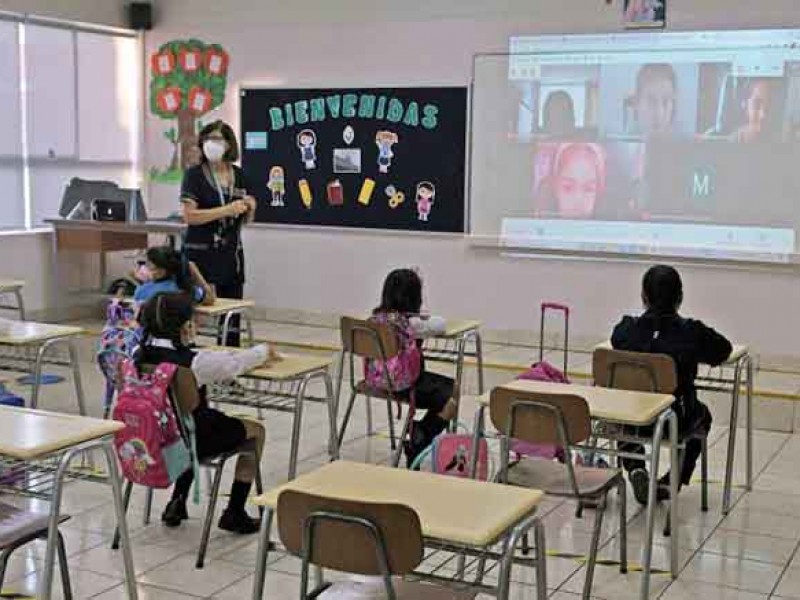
(154, 226)
(27, 434)
(457, 327)
(21, 333)
(463, 511)
(613, 406)
(10, 285)
(290, 366)
(224, 305)
(739, 351)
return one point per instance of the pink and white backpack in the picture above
(151, 450)
(404, 368)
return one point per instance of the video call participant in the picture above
(575, 184)
(558, 114)
(655, 101)
(757, 102)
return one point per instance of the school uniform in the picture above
(688, 342)
(216, 432)
(216, 247)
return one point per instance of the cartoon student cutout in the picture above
(385, 140)
(426, 192)
(307, 143)
(277, 185)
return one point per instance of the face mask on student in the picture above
(214, 150)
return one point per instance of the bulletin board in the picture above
(382, 158)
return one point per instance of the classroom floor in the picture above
(750, 555)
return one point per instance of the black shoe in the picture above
(238, 522)
(175, 512)
(640, 482)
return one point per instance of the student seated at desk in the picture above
(165, 272)
(661, 330)
(401, 301)
(168, 332)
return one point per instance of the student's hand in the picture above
(272, 355)
(251, 203)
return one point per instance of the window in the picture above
(73, 108)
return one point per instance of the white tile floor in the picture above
(750, 555)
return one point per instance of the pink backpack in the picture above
(150, 448)
(405, 368)
(451, 454)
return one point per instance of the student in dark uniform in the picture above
(167, 323)
(662, 330)
(217, 201)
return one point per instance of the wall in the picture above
(417, 42)
(104, 12)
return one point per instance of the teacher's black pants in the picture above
(233, 291)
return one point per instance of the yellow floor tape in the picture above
(15, 596)
(580, 558)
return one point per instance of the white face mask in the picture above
(214, 150)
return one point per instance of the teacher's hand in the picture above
(236, 208)
(251, 203)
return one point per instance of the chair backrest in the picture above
(636, 371)
(184, 389)
(533, 417)
(350, 536)
(375, 341)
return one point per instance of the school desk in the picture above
(13, 287)
(28, 437)
(282, 386)
(462, 516)
(716, 380)
(99, 238)
(25, 347)
(221, 313)
(619, 407)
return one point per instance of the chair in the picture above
(562, 420)
(185, 396)
(19, 527)
(370, 341)
(360, 538)
(644, 372)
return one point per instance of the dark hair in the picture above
(558, 114)
(662, 289)
(655, 71)
(402, 292)
(232, 153)
(171, 261)
(164, 315)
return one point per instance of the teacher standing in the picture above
(216, 203)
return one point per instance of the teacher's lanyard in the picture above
(217, 184)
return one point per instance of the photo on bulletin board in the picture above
(379, 158)
(645, 14)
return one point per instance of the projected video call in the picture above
(663, 141)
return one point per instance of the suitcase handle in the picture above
(555, 306)
(559, 307)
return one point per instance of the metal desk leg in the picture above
(76, 375)
(226, 326)
(46, 583)
(122, 524)
(479, 359)
(461, 344)
(20, 304)
(726, 490)
(333, 447)
(296, 425)
(749, 408)
(263, 553)
(674, 479)
(647, 552)
(507, 561)
(245, 318)
(37, 373)
(477, 432)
